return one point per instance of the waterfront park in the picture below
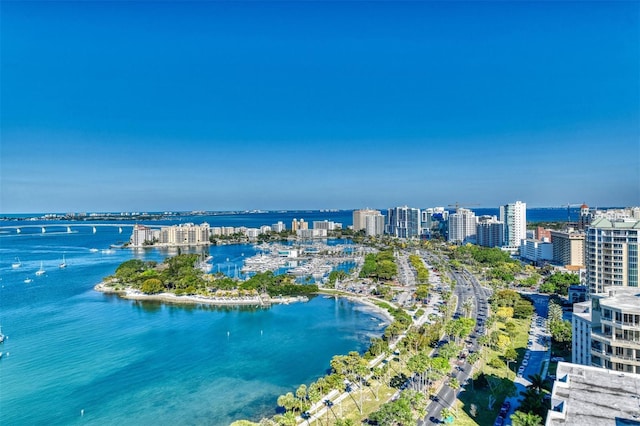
(439, 341)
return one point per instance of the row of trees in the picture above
(422, 273)
(560, 329)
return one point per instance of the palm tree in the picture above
(532, 402)
(454, 383)
(447, 413)
(468, 306)
(520, 418)
(537, 383)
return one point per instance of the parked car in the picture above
(557, 359)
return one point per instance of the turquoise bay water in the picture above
(125, 362)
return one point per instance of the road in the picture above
(538, 348)
(466, 287)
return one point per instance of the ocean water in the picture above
(76, 356)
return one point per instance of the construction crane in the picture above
(569, 205)
(457, 205)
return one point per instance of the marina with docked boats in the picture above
(312, 262)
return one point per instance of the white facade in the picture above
(581, 333)
(536, 250)
(140, 235)
(311, 233)
(606, 330)
(611, 253)
(374, 225)
(514, 217)
(278, 227)
(185, 234)
(252, 232)
(326, 225)
(462, 226)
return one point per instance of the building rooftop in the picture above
(620, 223)
(584, 395)
(624, 298)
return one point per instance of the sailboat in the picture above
(63, 264)
(40, 271)
(16, 264)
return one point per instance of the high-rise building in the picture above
(611, 253)
(299, 225)
(403, 222)
(185, 234)
(278, 227)
(374, 225)
(489, 232)
(462, 226)
(606, 330)
(568, 247)
(326, 225)
(514, 217)
(433, 221)
(141, 235)
(359, 218)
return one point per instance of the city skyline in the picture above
(218, 106)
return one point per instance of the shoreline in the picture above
(368, 301)
(131, 294)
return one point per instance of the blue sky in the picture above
(302, 105)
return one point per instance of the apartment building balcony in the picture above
(612, 357)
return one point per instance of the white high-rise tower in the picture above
(514, 217)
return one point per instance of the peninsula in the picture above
(180, 279)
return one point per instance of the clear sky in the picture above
(145, 106)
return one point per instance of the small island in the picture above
(180, 279)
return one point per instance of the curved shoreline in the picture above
(264, 300)
(132, 294)
(368, 301)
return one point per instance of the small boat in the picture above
(93, 250)
(28, 280)
(40, 271)
(2, 336)
(94, 230)
(63, 264)
(16, 264)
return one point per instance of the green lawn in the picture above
(479, 396)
